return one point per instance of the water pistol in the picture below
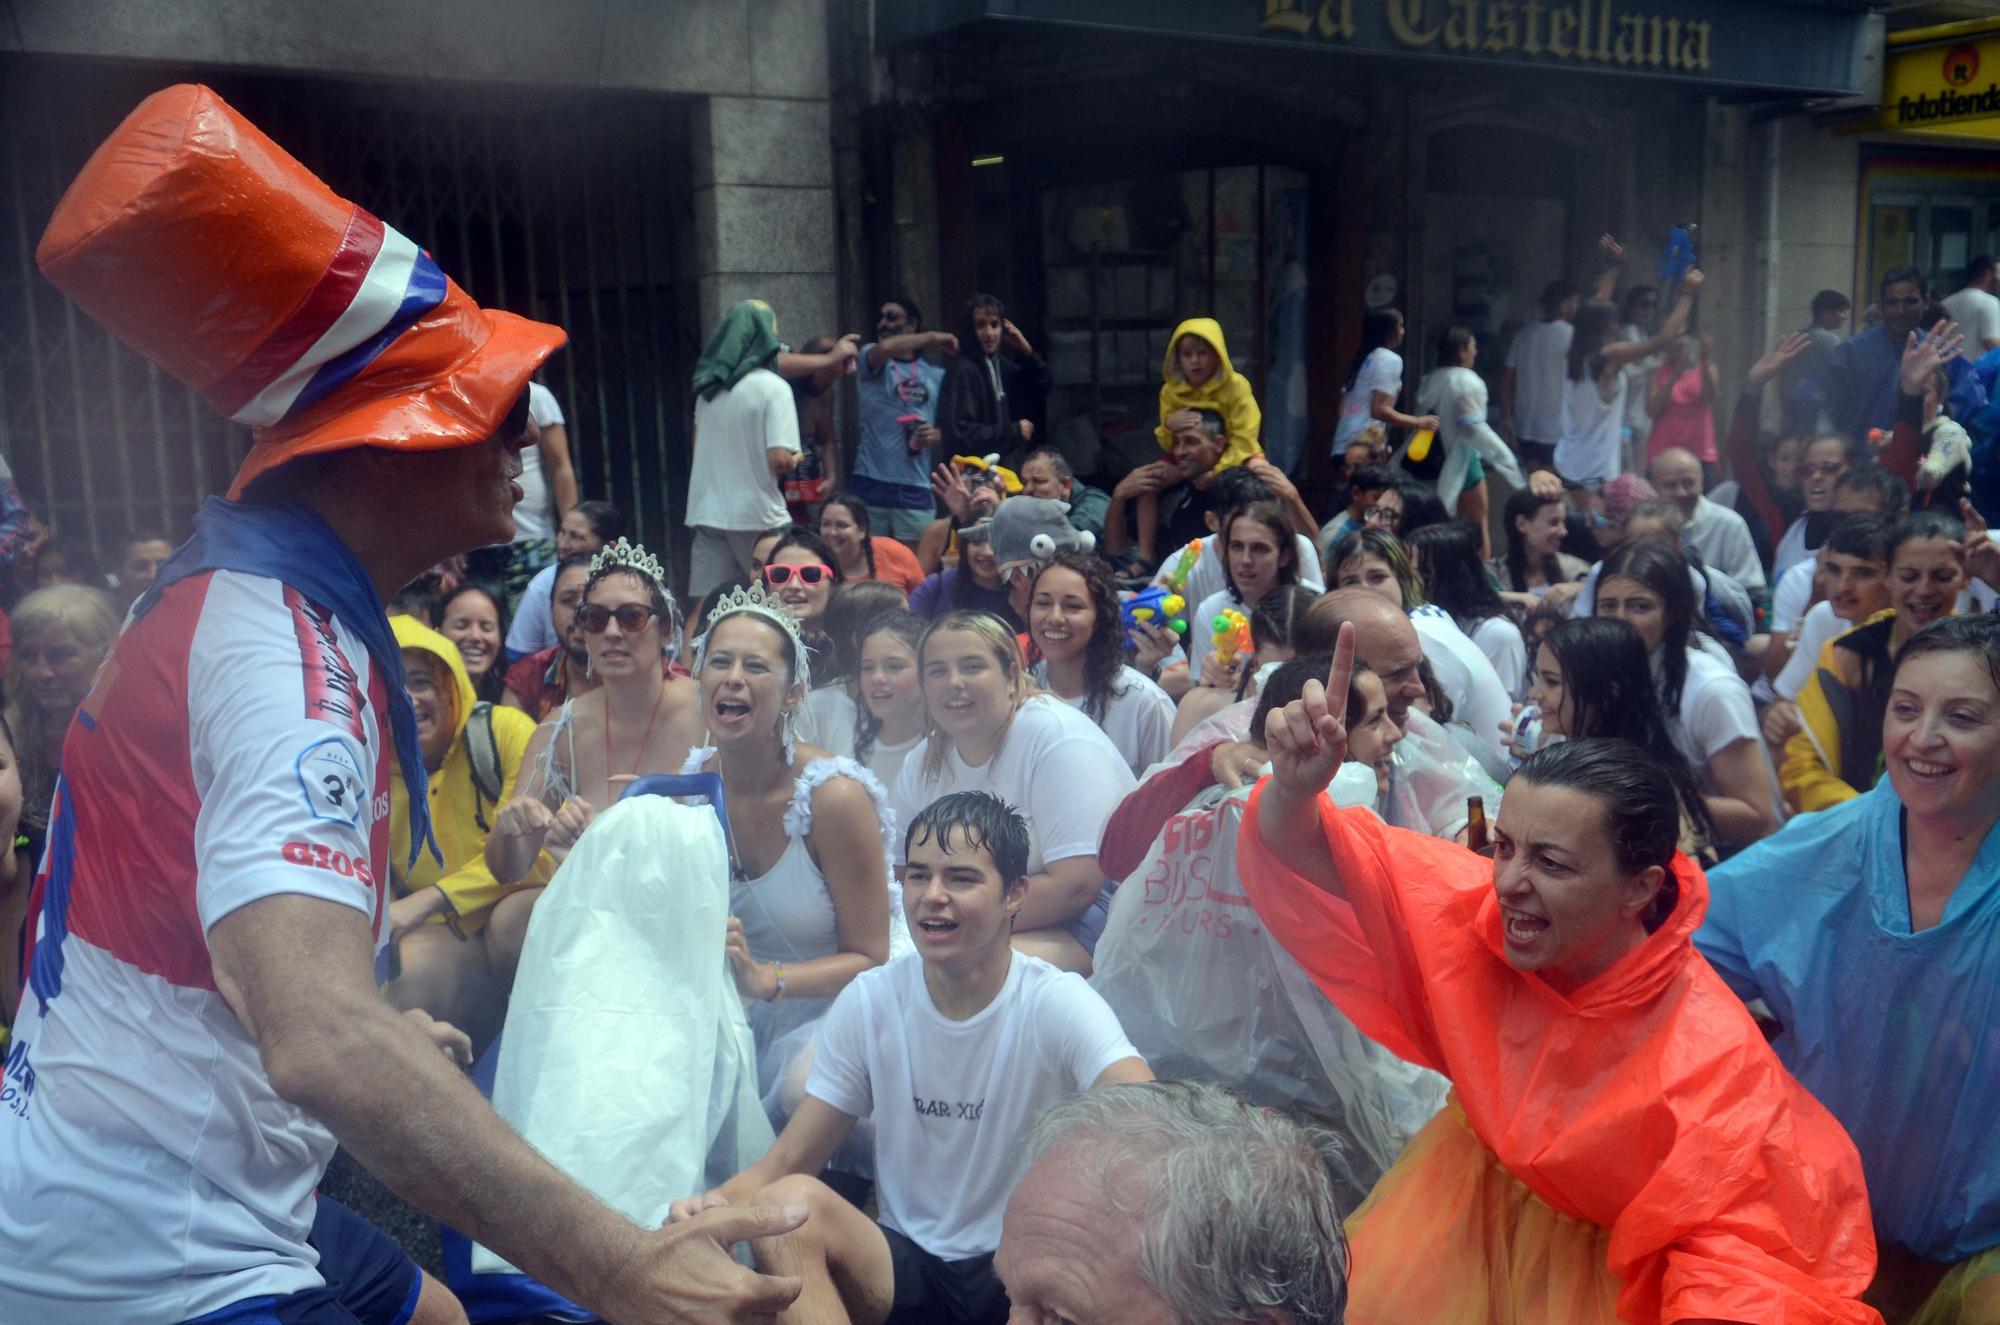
(1156, 606)
(1177, 579)
(1232, 636)
(1678, 258)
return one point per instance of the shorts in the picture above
(370, 1280)
(1087, 928)
(719, 556)
(932, 1289)
(1535, 455)
(899, 522)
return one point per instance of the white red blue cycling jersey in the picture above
(231, 748)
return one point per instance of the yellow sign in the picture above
(1951, 87)
(1584, 31)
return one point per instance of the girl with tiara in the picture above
(812, 900)
(638, 721)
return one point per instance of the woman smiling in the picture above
(1621, 1142)
(1836, 754)
(1074, 620)
(1869, 930)
(990, 729)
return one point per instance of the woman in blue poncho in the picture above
(1872, 932)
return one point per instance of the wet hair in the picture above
(1369, 478)
(1830, 301)
(906, 626)
(1611, 694)
(1451, 573)
(998, 637)
(1237, 1208)
(1235, 488)
(1442, 709)
(1104, 651)
(1421, 507)
(1922, 526)
(980, 821)
(849, 611)
(1641, 808)
(1554, 295)
(1863, 534)
(1377, 326)
(1058, 465)
(857, 511)
(606, 520)
(1892, 493)
(1451, 343)
(1272, 517)
(1523, 504)
(416, 601)
(493, 685)
(1278, 613)
(1596, 326)
(1977, 634)
(1287, 683)
(1660, 567)
(1386, 546)
(1212, 423)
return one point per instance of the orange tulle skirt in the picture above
(1450, 1237)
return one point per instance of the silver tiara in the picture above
(752, 600)
(623, 555)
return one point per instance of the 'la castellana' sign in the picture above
(1800, 47)
(1586, 31)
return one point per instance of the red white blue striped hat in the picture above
(206, 247)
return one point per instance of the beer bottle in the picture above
(1476, 838)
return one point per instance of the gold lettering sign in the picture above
(1580, 31)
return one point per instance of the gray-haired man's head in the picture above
(1176, 1203)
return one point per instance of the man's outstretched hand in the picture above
(1307, 738)
(683, 1274)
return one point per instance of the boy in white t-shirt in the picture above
(955, 1051)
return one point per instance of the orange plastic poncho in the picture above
(1646, 1103)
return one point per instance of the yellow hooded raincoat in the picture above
(1227, 393)
(460, 815)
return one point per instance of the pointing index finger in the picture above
(1341, 674)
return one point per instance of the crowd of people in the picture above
(1573, 902)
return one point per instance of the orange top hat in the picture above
(203, 245)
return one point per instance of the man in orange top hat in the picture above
(201, 1022)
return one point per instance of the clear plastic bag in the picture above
(628, 1062)
(1204, 991)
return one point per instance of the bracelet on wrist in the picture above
(778, 993)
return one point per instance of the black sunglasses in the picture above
(631, 617)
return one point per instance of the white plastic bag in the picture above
(626, 1058)
(1204, 991)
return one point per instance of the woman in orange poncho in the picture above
(1621, 1144)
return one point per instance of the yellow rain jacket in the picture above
(460, 814)
(1227, 393)
(1836, 754)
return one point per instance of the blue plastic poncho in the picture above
(1895, 1032)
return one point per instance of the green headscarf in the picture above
(746, 339)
